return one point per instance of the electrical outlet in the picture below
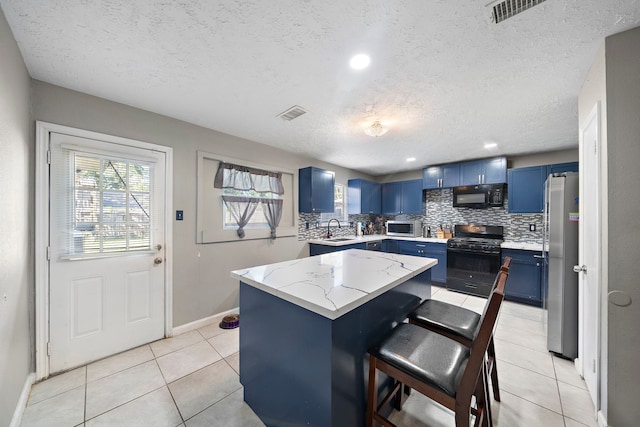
(179, 215)
(532, 227)
(306, 225)
(4, 298)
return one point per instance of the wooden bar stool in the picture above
(459, 324)
(442, 369)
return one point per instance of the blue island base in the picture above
(299, 368)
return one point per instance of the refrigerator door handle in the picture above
(579, 269)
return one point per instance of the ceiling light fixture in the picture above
(360, 61)
(376, 129)
(490, 145)
(411, 159)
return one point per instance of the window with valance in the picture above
(247, 190)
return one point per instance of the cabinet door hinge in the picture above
(48, 157)
(48, 253)
(49, 348)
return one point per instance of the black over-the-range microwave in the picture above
(478, 196)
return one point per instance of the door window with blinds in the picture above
(110, 205)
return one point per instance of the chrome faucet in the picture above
(328, 223)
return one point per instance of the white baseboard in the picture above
(602, 420)
(578, 365)
(197, 324)
(22, 402)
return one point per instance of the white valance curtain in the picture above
(244, 178)
(242, 208)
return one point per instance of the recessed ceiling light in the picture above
(411, 159)
(489, 145)
(360, 61)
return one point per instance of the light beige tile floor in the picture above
(192, 380)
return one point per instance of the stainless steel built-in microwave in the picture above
(478, 196)
(404, 228)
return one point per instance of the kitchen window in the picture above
(339, 206)
(258, 219)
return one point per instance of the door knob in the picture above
(158, 260)
(578, 269)
(158, 246)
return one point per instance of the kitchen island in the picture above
(306, 327)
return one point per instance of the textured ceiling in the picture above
(443, 77)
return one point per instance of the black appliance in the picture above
(474, 258)
(375, 245)
(479, 196)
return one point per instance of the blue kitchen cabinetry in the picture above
(402, 197)
(484, 171)
(317, 249)
(526, 186)
(563, 167)
(526, 189)
(442, 176)
(428, 250)
(390, 246)
(525, 276)
(315, 190)
(364, 197)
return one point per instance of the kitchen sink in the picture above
(340, 239)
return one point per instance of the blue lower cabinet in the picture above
(316, 249)
(390, 246)
(525, 276)
(428, 250)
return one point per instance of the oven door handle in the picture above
(472, 251)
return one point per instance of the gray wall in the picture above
(623, 174)
(16, 227)
(547, 158)
(614, 80)
(201, 282)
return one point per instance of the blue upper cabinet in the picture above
(484, 171)
(526, 189)
(442, 176)
(315, 190)
(364, 197)
(526, 186)
(563, 167)
(391, 198)
(402, 197)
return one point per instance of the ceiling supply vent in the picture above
(292, 113)
(505, 9)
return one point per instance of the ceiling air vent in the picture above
(292, 113)
(505, 9)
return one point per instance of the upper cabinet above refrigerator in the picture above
(526, 186)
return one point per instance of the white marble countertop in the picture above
(371, 237)
(527, 246)
(336, 283)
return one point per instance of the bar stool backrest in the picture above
(480, 344)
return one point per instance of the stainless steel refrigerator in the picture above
(561, 251)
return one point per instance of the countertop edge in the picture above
(354, 240)
(334, 314)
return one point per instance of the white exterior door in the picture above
(589, 253)
(106, 251)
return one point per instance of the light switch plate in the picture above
(179, 215)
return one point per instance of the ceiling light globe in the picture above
(376, 129)
(360, 61)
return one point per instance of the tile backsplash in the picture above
(438, 210)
